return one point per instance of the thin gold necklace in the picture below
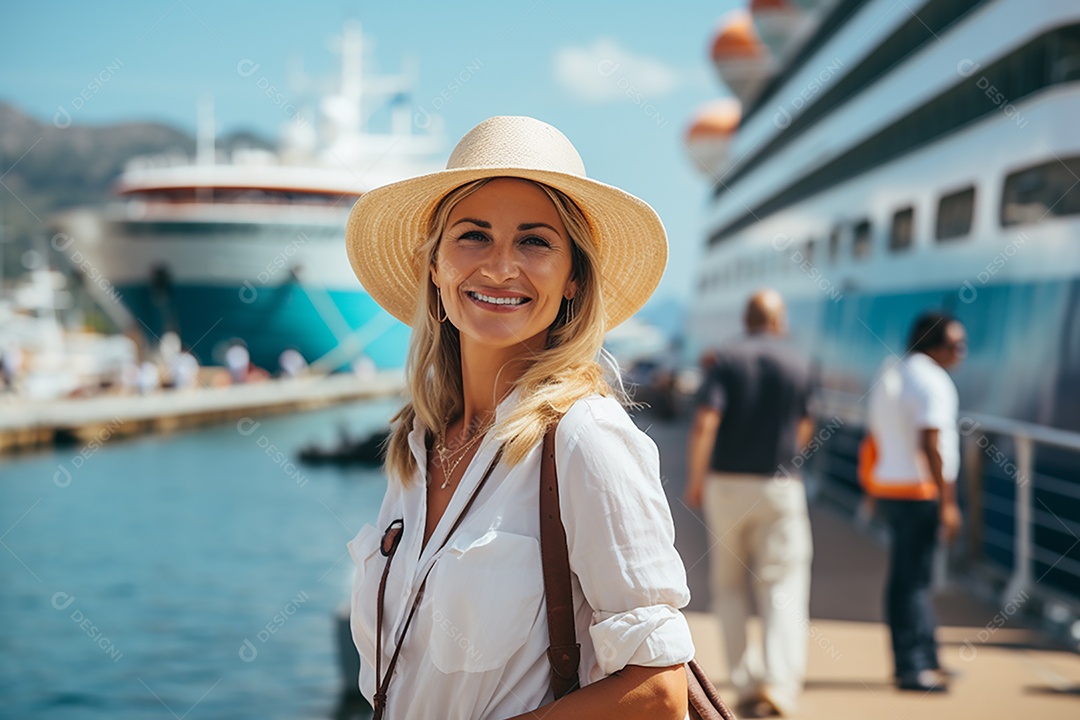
(443, 453)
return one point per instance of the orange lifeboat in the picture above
(710, 131)
(743, 61)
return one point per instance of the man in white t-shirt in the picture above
(909, 464)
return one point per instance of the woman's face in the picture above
(503, 265)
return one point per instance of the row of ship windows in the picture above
(1029, 196)
(933, 20)
(1000, 87)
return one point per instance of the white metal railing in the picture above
(975, 430)
(1025, 437)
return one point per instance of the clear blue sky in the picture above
(531, 57)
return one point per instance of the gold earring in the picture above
(569, 311)
(442, 309)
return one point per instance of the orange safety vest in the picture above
(892, 490)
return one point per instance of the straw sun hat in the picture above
(389, 223)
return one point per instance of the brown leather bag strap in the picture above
(382, 683)
(703, 701)
(564, 652)
(390, 540)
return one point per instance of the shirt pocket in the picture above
(369, 562)
(485, 598)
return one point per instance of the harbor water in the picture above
(196, 574)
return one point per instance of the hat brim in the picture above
(388, 224)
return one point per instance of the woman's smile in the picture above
(493, 300)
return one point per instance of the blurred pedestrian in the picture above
(364, 368)
(750, 425)
(185, 371)
(130, 372)
(237, 361)
(908, 464)
(291, 363)
(168, 352)
(11, 361)
(149, 377)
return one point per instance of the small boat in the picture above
(366, 451)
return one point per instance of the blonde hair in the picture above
(566, 370)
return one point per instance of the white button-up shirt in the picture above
(477, 646)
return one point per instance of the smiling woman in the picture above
(510, 266)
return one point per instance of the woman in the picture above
(510, 266)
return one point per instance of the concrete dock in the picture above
(1006, 669)
(25, 424)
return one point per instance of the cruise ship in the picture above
(251, 247)
(877, 159)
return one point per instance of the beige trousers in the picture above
(760, 560)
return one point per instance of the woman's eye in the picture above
(535, 240)
(473, 235)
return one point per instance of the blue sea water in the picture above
(193, 575)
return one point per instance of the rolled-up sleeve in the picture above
(621, 538)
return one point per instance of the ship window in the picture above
(1066, 66)
(902, 235)
(860, 240)
(834, 244)
(1052, 188)
(954, 214)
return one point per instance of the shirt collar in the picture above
(507, 405)
(418, 445)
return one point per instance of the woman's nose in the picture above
(502, 262)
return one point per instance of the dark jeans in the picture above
(913, 525)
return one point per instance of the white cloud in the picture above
(605, 72)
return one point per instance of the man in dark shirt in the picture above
(750, 426)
